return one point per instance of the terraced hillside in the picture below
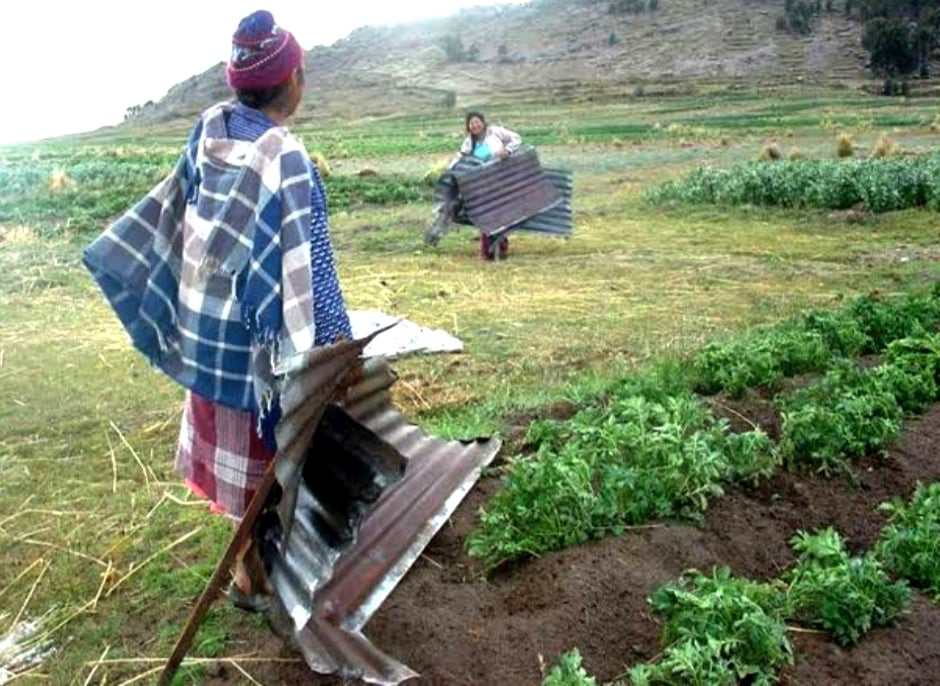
(559, 49)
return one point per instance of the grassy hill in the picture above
(557, 50)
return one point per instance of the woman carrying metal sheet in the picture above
(483, 143)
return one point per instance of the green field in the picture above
(98, 536)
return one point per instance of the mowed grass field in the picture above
(104, 549)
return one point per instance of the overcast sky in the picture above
(75, 66)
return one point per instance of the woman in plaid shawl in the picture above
(225, 269)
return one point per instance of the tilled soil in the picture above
(455, 626)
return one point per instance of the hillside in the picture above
(557, 49)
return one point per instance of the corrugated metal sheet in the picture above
(352, 527)
(497, 196)
(556, 221)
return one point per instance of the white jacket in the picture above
(497, 138)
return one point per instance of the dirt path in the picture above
(456, 628)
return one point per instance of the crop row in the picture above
(720, 629)
(650, 453)
(653, 450)
(81, 195)
(812, 342)
(881, 185)
(852, 412)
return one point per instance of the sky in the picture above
(76, 66)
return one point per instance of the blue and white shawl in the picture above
(214, 286)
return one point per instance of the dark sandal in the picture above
(255, 602)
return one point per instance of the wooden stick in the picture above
(214, 587)
(734, 412)
(104, 580)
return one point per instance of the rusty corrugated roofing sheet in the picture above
(348, 530)
(500, 195)
(557, 220)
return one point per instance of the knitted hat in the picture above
(263, 54)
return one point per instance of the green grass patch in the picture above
(80, 193)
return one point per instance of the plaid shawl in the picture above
(210, 273)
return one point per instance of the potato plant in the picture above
(636, 458)
(720, 631)
(909, 545)
(847, 596)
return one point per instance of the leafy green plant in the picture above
(846, 596)
(643, 455)
(569, 672)
(762, 359)
(885, 320)
(910, 543)
(849, 413)
(719, 630)
(852, 411)
(810, 343)
(882, 185)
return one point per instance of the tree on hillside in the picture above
(626, 7)
(899, 35)
(890, 45)
(798, 15)
(453, 48)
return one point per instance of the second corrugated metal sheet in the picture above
(329, 601)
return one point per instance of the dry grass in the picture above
(323, 165)
(885, 147)
(770, 153)
(60, 181)
(845, 146)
